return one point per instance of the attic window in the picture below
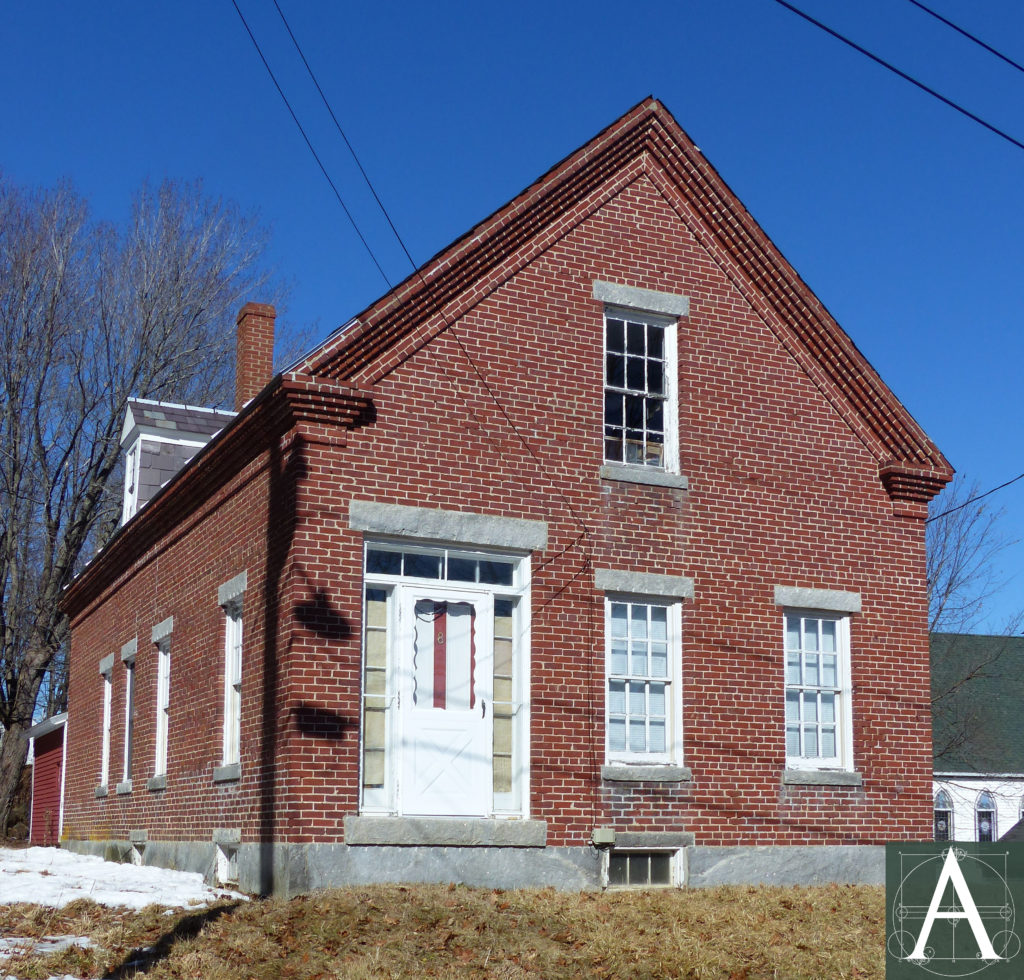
(639, 406)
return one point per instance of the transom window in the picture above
(440, 564)
(817, 691)
(642, 654)
(638, 409)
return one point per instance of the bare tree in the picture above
(964, 542)
(90, 315)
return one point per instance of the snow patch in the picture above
(54, 877)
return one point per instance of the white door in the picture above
(446, 655)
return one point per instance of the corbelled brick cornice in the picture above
(648, 137)
(291, 402)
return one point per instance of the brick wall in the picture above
(784, 490)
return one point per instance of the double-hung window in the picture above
(108, 697)
(163, 704)
(129, 719)
(232, 683)
(817, 682)
(639, 390)
(230, 597)
(643, 668)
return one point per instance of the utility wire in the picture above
(417, 270)
(909, 78)
(337, 125)
(969, 36)
(966, 503)
(295, 119)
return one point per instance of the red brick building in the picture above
(594, 551)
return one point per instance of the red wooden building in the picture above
(47, 780)
(593, 553)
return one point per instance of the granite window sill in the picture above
(647, 475)
(123, 789)
(646, 774)
(157, 783)
(230, 773)
(821, 777)
(100, 791)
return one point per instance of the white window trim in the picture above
(677, 875)
(942, 796)
(979, 810)
(386, 800)
(108, 702)
(673, 756)
(844, 761)
(231, 742)
(129, 727)
(130, 503)
(670, 361)
(163, 705)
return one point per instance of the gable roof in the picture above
(647, 139)
(977, 699)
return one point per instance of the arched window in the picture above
(985, 817)
(943, 816)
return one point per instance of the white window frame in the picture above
(131, 482)
(677, 868)
(993, 810)
(843, 759)
(231, 743)
(942, 796)
(163, 706)
(387, 799)
(673, 754)
(108, 701)
(129, 718)
(670, 367)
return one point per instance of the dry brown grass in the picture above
(741, 933)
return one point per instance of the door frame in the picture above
(387, 800)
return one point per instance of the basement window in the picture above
(227, 865)
(642, 869)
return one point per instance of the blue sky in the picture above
(903, 216)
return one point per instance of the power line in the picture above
(909, 78)
(969, 35)
(418, 272)
(966, 503)
(295, 119)
(341, 131)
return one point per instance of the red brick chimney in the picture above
(254, 351)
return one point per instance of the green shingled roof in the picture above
(977, 703)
